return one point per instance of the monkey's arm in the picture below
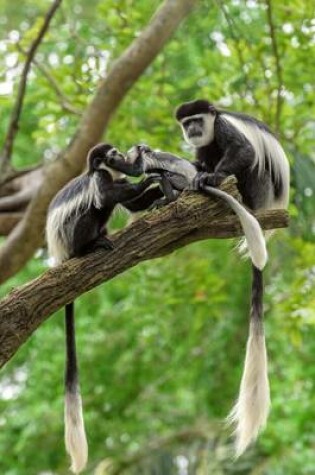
(144, 201)
(131, 168)
(238, 155)
(124, 192)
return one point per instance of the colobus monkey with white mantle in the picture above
(178, 174)
(225, 144)
(231, 144)
(251, 410)
(76, 225)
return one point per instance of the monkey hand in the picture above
(153, 178)
(203, 179)
(102, 242)
(143, 148)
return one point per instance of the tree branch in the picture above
(184, 436)
(8, 221)
(64, 101)
(156, 234)
(16, 111)
(27, 236)
(18, 192)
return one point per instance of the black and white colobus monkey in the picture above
(251, 410)
(76, 225)
(225, 144)
(178, 174)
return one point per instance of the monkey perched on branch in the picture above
(76, 225)
(229, 144)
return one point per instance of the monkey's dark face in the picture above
(197, 122)
(102, 156)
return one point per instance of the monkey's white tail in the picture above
(75, 438)
(250, 412)
(255, 240)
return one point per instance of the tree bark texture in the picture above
(155, 234)
(27, 236)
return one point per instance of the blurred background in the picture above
(161, 347)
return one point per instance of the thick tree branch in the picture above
(16, 111)
(27, 236)
(18, 192)
(8, 221)
(156, 234)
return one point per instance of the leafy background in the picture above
(161, 347)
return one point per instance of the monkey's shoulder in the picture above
(247, 119)
(77, 186)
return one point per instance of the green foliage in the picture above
(162, 347)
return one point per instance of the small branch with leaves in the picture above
(17, 109)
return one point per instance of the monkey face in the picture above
(111, 161)
(113, 156)
(196, 119)
(105, 157)
(198, 129)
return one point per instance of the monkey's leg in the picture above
(102, 242)
(90, 234)
(122, 193)
(169, 193)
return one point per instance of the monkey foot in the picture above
(203, 179)
(103, 243)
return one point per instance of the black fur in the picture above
(189, 108)
(230, 153)
(84, 227)
(257, 310)
(71, 372)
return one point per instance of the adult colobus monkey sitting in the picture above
(178, 174)
(225, 144)
(76, 224)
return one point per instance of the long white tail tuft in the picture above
(250, 412)
(255, 241)
(75, 438)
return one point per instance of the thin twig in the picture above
(64, 101)
(16, 111)
(274, 44)
(239, 52)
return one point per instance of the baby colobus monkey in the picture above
(76, 225)
(225, 144)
